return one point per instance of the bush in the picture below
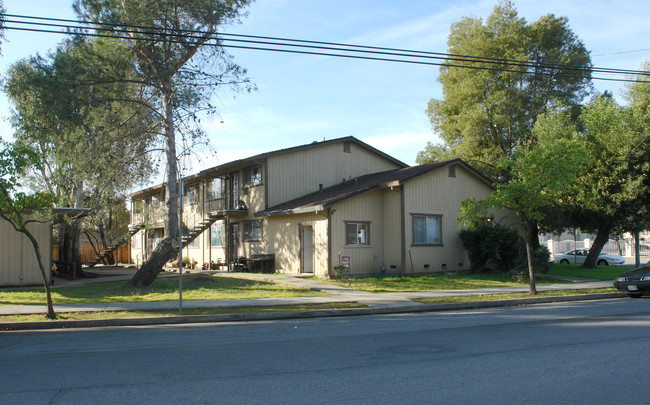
(492, 244)
(342, 273)
(542, 260)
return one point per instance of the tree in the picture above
(20, 209)
(170, 40)
(616, 190)
(546, 174)
(489, 107)
(82, 111)
(503, 75)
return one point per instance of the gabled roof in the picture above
(260, 157)
(325, 198)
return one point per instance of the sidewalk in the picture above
(386, 302)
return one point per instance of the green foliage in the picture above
(342, 274)
(434, 153)
(488, 114)
(488, 243)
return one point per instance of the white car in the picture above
(578, 256)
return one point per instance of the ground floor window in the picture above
(218, 234)
(427, 229)
(136, 241)
(357, 233)
(252, 231)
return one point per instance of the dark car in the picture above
(634, 283)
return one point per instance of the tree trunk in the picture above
(76, 235)
(531, 268)
(50, 306)
(602, 236)
(168, 246)
(637, 249)
(532, 233)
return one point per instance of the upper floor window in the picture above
(357, 233)
(427, 229)
(252, 231)
(138, 206)
(216, 189)
(155, 201)
(252, 176)
(192, 194)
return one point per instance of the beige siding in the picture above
(438, 194)
(366, 208)
(295, 174)
(393, 230)
(18, 263)
(283, 235)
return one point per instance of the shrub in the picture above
(490, 243)
(342, 273)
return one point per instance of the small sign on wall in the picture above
(345, 262)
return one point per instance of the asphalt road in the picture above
(593, 352)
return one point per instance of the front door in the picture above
(307, 250)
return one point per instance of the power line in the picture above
(318, 48)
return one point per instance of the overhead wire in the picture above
(306, 47)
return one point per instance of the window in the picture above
(138, 206)
(357, 233)
(427, 229)
(252, 176)
(252, 231)
(347, 147)
(218, 233)
(136, 241)
(216, 189)
(192, 194)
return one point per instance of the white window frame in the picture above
(361, 234)
(222, 235)
(428, 239)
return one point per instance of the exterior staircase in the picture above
(190, 234)
(133, 229)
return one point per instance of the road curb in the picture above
(267, 316)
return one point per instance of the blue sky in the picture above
(304, 98)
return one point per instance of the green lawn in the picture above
(198, 287)
(604, 273)
(76, 316)
(497, 297)
(433, 282)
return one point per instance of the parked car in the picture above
(635, 282)
(578, 256)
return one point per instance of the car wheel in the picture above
(602, 262)
(635, 295)
(564, 261)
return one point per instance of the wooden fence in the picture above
(122, 254)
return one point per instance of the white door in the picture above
(307, 250)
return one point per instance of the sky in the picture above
(305, 98)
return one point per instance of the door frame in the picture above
(302, 247)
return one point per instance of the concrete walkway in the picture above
(398, 302)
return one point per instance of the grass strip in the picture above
(69, 316)
(509, 296)
(433, 282)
